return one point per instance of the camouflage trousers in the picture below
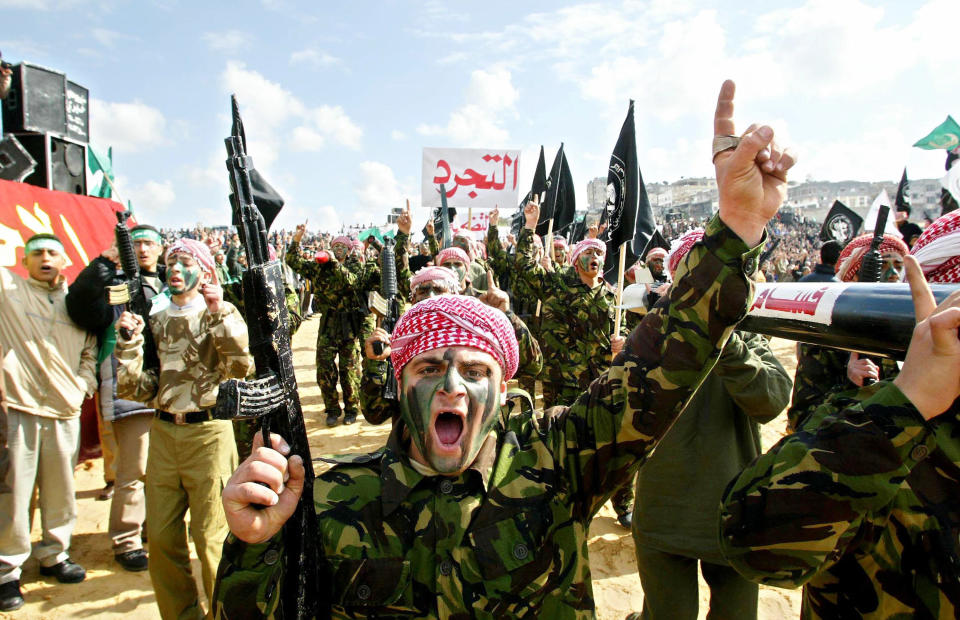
(339, 359)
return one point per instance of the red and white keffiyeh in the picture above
(938, 249)
(452, 253)
(559, 242)
(454, 321)
(584, 245)
(435, 274)
(343, 240)
(848, 264)
(656, 253)
(679, 248)
(198, 250)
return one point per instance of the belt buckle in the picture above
(179, 419)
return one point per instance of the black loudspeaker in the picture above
(15, 162)
(61, 164)
(44, 101)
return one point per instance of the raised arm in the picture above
(606, 434)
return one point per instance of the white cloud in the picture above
(398, 135)
(317, 58)
(228, 42)
(109, 38)
(268, 109)
(128, 127)
(151, 200)
(306, 139)
(490, 95)
(378, 190)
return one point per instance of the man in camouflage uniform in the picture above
(465, 513)
(201, 341)
(524, 300)
(334, 276)
(578, 311)
(861, 506)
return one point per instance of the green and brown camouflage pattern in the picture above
(198, 350)
(861, 507)
(335, 287)
(575, 326)
(822, 372)
(508, 537)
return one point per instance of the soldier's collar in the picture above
(398, 477)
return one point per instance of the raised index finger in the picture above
(723, 118)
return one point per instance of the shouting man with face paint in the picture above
(335, 276)
(578, 311)
(467, 512)
(48, 369)
(431, 282)
(201, 341)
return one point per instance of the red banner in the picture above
(84, 224)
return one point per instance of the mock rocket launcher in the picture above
(872, 318)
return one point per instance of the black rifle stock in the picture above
(135, 298)
(272, 396)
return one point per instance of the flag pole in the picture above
(617, 315)
(113, 187)
(548, 243)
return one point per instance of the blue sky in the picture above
(339, 98)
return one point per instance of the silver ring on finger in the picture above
(724, 143)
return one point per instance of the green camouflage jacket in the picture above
(198, 350)
(508, 537)
(821, 372)
(576, 321)
(377, 410)
(522, 297)
(861, 506)
(335, 285)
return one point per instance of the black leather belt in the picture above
(191, 417)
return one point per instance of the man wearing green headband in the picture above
(125, 424)
(48, 369)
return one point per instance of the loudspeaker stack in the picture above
(49, 116)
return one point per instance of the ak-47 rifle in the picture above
(871, 269)
(387, 308)
(131, 291)
(272, 396)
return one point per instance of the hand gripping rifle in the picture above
(130, 292)
(272, 396)
(387, 308)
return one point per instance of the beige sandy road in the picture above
(110, 592)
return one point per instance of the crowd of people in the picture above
(479, 502)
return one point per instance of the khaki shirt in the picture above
(49, 363)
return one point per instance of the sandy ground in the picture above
(110, 592)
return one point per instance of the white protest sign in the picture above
(870, 222)
(472, 178)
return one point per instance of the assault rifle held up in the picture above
(130, 292)
(386, 308)
(272, 397)
(871, 269)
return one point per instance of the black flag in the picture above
(841, 224)
(903, 193)
(657, 240)
(268, 201)
(538, 187)
(552, 188)
(565, 201)
(620, 213)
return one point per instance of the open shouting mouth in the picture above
(448, 429)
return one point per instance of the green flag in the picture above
(945, 136)
(374, 231)
(98, 162)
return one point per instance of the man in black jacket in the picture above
(130, 421)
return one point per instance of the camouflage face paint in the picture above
(186, 268)
(892, 267)
(448, 399)
(458, 268)
(339, 250)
